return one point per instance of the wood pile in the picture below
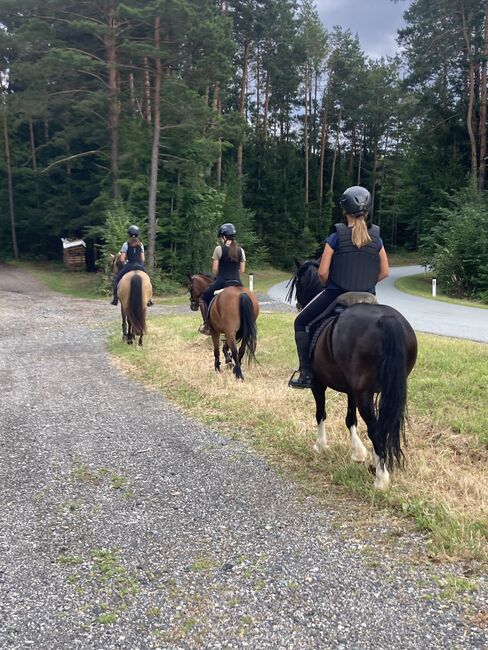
(74, 256)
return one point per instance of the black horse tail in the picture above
(392, 406)
(135, 313)
(248, 331)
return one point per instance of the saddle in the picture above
(229, 283)
(342, 302)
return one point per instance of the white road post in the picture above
(434, 287)
(251, 281)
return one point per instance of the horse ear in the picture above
(297, 263)
(112, 257)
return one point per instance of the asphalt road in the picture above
(126, 525)
(424, 314)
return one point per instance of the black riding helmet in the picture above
(356, 200)
(227, 230)
(133, 231)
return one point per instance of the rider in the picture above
(354, 259)
(229, 261)
(132, 257)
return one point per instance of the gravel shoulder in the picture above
(124, 524)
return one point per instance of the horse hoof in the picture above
(319, 449)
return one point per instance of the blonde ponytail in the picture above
(360, 236)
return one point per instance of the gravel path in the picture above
(123, 524)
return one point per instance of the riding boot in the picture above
(305, 377)
(204, 329)
(115, 300)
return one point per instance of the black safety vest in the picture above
(352, 268)
(228, 269)
(134, 254)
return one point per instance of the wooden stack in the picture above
(74, 257)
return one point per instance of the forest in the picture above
(179, 115)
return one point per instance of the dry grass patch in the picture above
(443, 488)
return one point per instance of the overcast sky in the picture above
(375, 21)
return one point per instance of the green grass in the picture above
(421, 285)
(446, 457)
(78, 284)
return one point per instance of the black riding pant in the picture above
(316, 307)
(125, 269)
(219, 283)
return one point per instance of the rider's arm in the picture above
(242, 266)
(215, 267)
(325, 264)
(123, 257)
(384, 265)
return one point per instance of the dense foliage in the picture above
(182, 114)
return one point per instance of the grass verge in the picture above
(443, 489)
(421, 285)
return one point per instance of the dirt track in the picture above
(125, 525)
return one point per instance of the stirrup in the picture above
(304, 380)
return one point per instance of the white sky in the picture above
(375, 21)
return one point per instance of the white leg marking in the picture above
(359, 452)
(382, 480)
(321, 443)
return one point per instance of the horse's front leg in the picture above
(318, 391)
(366, 409)
(216, 345)
(359, 452)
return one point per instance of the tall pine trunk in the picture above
(242, 106)
(153, 186)
(114, 116)
(483, 99)
(471, 93)
(10, 190)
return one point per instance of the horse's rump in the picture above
(134, 290)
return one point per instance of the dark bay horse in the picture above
(134, 291)
(367, 352)
(233, 313)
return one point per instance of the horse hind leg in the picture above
(359, 452)
(237, 370)
(366, 409)
(216, 346)
(321, 443)
(227, 353)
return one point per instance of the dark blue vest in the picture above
(134, 254)
(228, 269)
(352, 268)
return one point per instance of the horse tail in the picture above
(135, 313)
(392, 406)
(248, 331)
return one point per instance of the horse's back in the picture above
(125, 284)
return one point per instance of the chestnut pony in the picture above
(367, 352)
(233, 313)
(134, 291)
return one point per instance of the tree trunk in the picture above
(153, 187)
(218, 108)
(10, 190)
(336, 148)
(266, 107)
(323, 142)
(305, 137)
(34, 158)
(469, 116)
(147, 92)
(111, 53)
(242, 105)
(483, 99)
(360, 161)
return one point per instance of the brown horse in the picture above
(233, 313)
(367, 351)
(134, 292)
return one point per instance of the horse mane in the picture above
(307, 277)
(205, 275)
